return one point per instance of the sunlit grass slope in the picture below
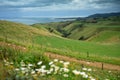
(71, 46)
(107, 37)
(19, 32)
(25, 35)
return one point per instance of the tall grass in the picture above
(15, 55)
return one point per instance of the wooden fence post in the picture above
(87, 54)
(102, 66)
(82, 65)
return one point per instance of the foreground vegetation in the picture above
(23, 65)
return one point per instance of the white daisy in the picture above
(39, 63)
(55, 60)
(65, 75)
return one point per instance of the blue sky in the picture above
(56, 8)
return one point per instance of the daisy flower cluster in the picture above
(54, 67)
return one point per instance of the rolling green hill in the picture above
(107, 37)
(19, 32)
(40, 38)
(86, 29)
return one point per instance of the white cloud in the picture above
(16, 3)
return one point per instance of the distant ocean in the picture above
(30, 21)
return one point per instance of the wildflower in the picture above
(64, 69)
(92, 79)
(109, 71)
(30, 65)
(51, 69)
(82, 73)
(43, 67)
(17, 69)
(66, 64)
(48, 72)
(89, 69)
(85, 76)
(43, 71)
(55, 60)
(37, 69)
(23, 69)
(11, 63)
(61, 61)
(7, 63)
(56, 68)
(84, 69)
(32, 72)
(23, 72)
(65, 75)
(39, 63)
(76, 72)
(50, 63)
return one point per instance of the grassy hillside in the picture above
(107, 37)
(19, 32)
(54, 27)
(22, 47)
(47, 27)
(23, 34)
(100, 37)
(86, 29)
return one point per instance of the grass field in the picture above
(68, 47)
(107, 36)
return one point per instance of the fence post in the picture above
(87, 54)
(82, 65)
(102, 66)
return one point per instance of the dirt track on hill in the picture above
(93, 64)
(14, 46)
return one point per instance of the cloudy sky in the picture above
(56, 8)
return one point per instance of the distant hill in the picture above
(90, 29)
(104, 15)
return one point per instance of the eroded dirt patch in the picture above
(93, 64)
(16, 47)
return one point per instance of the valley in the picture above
(91, 40)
